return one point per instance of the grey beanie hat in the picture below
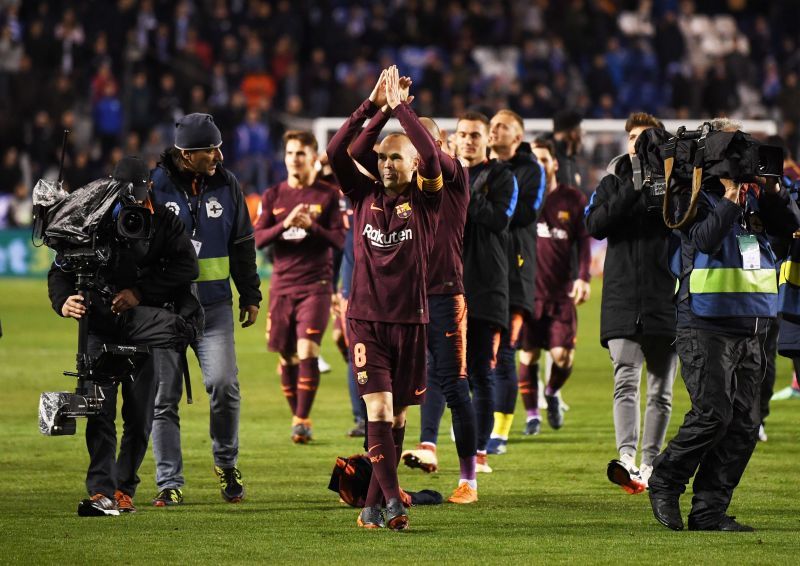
(197, 131)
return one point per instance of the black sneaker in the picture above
(727, 524)
(555, 414)
(396, 515)
(166, 497)
(359, 430)
(230, 484)
(98, 505)
(533, 427)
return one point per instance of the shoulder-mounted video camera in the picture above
(693, 157)
(105, 214)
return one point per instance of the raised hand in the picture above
(405, 84)
(393, 98)
(378, 94)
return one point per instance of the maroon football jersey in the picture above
(392, 235)
(560, 225)
(446, 271)
(392, 241)
(302, 259)
(446, 265)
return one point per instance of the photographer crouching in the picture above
(726, 301)
(139, 294)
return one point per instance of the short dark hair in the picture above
(472, 116)
(642, 119)
(778, 140)
(305, 137)
(546, 143)
(566, 120)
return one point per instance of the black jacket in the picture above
(638, 285)
(491, 206)
(567, 173)
(522, 230)
(160, 270)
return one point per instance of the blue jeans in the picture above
(217, 357)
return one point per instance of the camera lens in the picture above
(132, 222)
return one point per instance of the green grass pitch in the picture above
(548, 500)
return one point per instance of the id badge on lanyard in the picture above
(748, 247)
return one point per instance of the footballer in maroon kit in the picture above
(447, 312)
(300, 219)
(554, 323)
(394, 224)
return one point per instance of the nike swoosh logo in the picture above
(417, 392)
(312, 331)
(277, 211)
(374, 447)
(449, 334)
(373, 207)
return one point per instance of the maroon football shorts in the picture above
(389, 357)
(554, 324)
(291, 318)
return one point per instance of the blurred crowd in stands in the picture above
(118, 73)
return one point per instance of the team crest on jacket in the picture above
(362, 378)
(563, 215)
(403, 210)
(173, 207)
(213, 208)
(314, 210)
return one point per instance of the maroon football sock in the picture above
(529, 385)
(382, 455)
(289, 385)
(307, 383)
(398, 434)
(374, 493)
(558, 377)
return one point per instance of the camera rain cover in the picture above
(48, 193)
(77, 216)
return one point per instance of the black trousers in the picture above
(107, 470)
(723, 375)
(481, 339)
(768, 385)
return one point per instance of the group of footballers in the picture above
(465, 249)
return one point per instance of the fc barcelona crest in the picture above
(403, 210)
(362, 378)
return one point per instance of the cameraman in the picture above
(726, 302)
(148, 273)
(637, 317)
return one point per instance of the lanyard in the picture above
(194, 212)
